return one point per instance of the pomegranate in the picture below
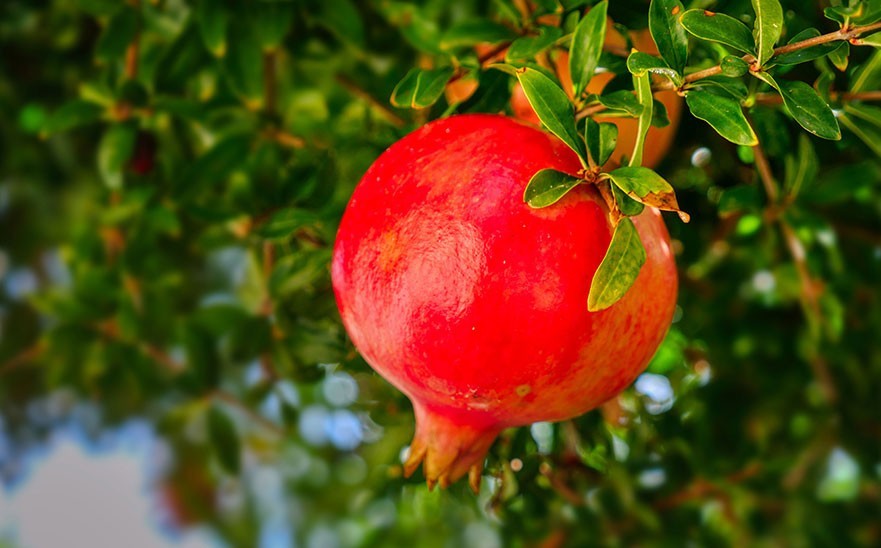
(474, 304)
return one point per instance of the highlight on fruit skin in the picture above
(473, 304)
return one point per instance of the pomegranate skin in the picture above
(473, 304)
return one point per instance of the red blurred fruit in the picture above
(474, 304)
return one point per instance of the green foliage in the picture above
(173, 173)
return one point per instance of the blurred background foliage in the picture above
(171, 176)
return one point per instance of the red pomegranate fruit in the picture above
(473, 304)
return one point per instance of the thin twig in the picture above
(772, 98)
(763, 166)
(380, 106)
(809, 287)
(233, 401)
(843, 34)
(26, 356)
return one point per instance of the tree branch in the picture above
(843, 34)
(380, 106)
(809, 287)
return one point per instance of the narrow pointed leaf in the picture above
(647, 187)
(724, 114)
(733, 66)
(639, 63)
(806, 107)
(801, 168)
(718, 27)
(840, 56)
(587, 45)
(547, 187)
(602, 138)
(225, 440)
(668, 33)
(643, 86)
(212, 18)
(622, 100)
(72, 114)
(767, 27)
(114, 153)
(867, 134)
(421, 88)
(552, 107)
(529, 46)
(619, 269)
(627, 205)
(868, 76)
(873, 40)
(474, 31)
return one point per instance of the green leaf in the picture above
(552, 107)
(587, 45)
(342, 18)
(119, 32)
(868, 75)
(273, 19)
(767, 28)
(718, 27)
(840, 56)
(801, 168)
(622, 100)
(225, 440)
(867, 134)
(873, 40)
(807, 54)
(602, 138)
(243, 64)
(639, 63)
(643, 86)
(98, 8)
(475, 31)
(418, 29)
(647, 187)
(871, 13)
(547, 187)
(619, 269)
(864, 121)
(806, 107)
(72, 114)
(733, 66)
(214, 165)
(421, 88)
(627, 205)
(284, 222)
(492, 95)
(668, 33)
(114, 153)
(724, 114)
(528, 46)
(733, 87)
(212, 18)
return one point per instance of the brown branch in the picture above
(380, 106)
(25, 357)
(772, 98)
(234, 402)
(110, 331)
(810, 289)
(266, 309)
(844, 34)
(763, 166)
(702, 487)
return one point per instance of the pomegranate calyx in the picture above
(449, 446)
